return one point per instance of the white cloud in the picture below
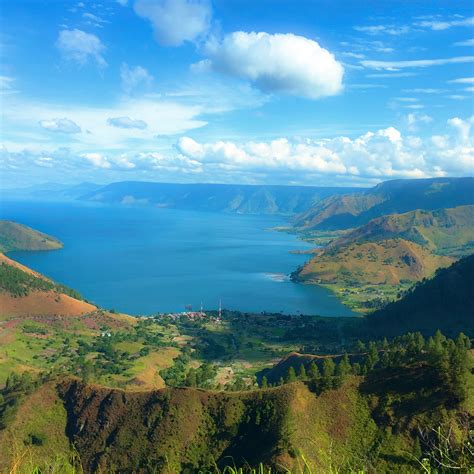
(457, 97)
(371, 157)
(62, 125)
(134, 78)
(122, 2)
(79, 46)
(415, 120)
(382, 154)
(94, 20)
(439, 25)
(126, 122)
(468, 42)
(462, 80)
(392, 30)
(176, 21)
(426, 90)
(395, 65)
(283, 63)
(393, 74)
(97, 160)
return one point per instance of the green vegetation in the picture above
(19, 283)
(14, 236)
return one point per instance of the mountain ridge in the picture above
(389, 197)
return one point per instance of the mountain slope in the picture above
(25, 293)
(398, 196)
(242, 199)
(444, 231)
(14, 236)
(444, 302)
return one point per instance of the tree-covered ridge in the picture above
(15, 236)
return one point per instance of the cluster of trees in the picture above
(321, 377)
(447, 358)
(180, 375)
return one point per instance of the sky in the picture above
(321, 92)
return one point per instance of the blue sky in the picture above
(269, 91)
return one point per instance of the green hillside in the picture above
(443, 231)
(399, 196)
(445, 301)
(384, 414)
(14, 236)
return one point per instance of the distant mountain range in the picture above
(241, 199)
(389, 197)
(50, 192)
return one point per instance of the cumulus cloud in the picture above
(176, 21)
(134, 78)
(62, 125)
(368, 158)
(283, 63)
(97, 160)
(126, 122)
(395, 65)
(382, 154)
(80, 47)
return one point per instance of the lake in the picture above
(143, 260)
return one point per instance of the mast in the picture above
(220, 309)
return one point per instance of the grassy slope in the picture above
(14, 236)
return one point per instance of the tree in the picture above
(344, 366)
(191, 379)
(302, 372)
(291, 375)
(313, 371)
(360, 346)
(264, 382)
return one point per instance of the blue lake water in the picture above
(148, 260)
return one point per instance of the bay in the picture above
(143, 260)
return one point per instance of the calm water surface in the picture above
(147, 260)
